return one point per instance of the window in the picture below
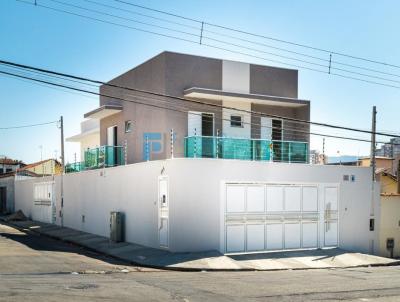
(128, 126)
(277, 130)
(236, 121)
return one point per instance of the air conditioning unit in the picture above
(116, 226)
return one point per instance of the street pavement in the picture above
(37, 268)
(206, 260)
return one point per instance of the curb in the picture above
(188, 269)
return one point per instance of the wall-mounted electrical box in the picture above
(389, 243)
(116, 226)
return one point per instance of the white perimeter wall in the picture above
(131, 189)
(195, 207)
(196, 198)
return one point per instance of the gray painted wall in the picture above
(171, 73)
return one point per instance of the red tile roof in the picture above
(10, 161)
(37, 164)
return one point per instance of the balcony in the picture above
(101, 157)
(246, 149)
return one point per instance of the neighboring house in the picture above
(390, 214)
(317, 158)
(7, 192)
(8, 168)
(390, 149)
(224, 179)
(42, 168)
(89, 138)
(144, 132)
(8, 165)
(344, 160)
(389, 229)
(381, 162)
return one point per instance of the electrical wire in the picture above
(244, 40)
(228, 43)
(52, 87)
(152, 105)
(261, 36)
(143, 15)
(225, 49)
(124, 18)
(195, 101)
(28, 126)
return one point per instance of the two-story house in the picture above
(142, 128)
(217, 155)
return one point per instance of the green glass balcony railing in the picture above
(74, 167)
(101, 157)
(246, 149)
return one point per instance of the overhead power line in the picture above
(199, 29)
(160, 107)
(142, 15)
(261, 36)
(327, 71)
(28, 126)
(191, 100)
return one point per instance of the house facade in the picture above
(42, 168)
(209, 155)
(146, 127)
(7, 192)
(8, 165)
(88, 138)
(8, 168)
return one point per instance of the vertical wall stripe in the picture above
(235, 77)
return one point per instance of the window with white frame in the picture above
(128, 126)
(236, 120)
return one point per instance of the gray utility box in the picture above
(116, 226)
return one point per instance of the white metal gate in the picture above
(44, 203)
(259, 217)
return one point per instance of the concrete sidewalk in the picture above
(213, 260)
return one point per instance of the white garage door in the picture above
(277, 217)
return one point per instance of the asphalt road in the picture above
(36, 268)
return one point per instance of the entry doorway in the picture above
(272, 130)
(279, 151)
(201, 125)
(112, 136)
(3, 199)
(111, 152)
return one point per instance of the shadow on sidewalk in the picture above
(39, 242)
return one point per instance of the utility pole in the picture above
(41, 159)
(398, 177)
(62, 169)
(373, 143)
(323, 151)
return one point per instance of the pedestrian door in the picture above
(44, 202)
(163, 212)
(330, 216)
(3, 199)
